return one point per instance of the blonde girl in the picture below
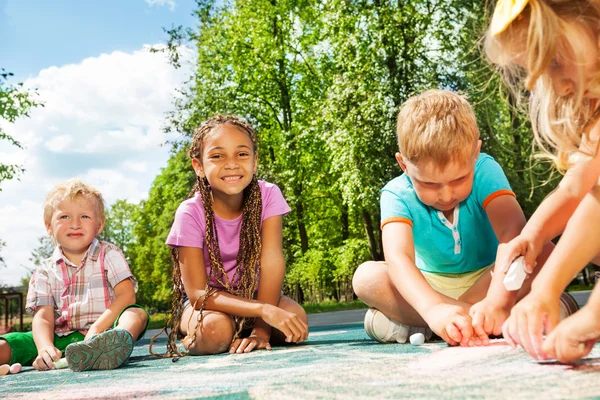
(550, 48)
(228, 264)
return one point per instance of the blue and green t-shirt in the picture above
(469, 243)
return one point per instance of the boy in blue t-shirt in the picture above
(442, 222)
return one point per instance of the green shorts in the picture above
(23, 348)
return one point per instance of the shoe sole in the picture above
(107, 350)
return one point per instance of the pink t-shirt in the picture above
(189, 227)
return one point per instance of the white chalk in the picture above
(15, 368)
(417, 339)
(516, 275)
(61, 364)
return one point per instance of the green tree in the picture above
(150, 256)
(322, 82)
(118, 226)
(15, 102)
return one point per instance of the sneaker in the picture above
(384, 330)
(108, 350)
(568, 305)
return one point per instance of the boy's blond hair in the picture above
(71, 189)
(437, 125)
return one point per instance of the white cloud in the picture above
(160, 3)
(101, 121)
(59, 144)
(141, 166)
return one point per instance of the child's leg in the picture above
(372, 284)
(277, 337)
(5, 352)
(134, 320)
(479, 290)
(213, 335)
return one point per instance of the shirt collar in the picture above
(93, 251)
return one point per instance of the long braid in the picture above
(245, 280)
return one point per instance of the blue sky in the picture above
(37, 34)
(105, 97)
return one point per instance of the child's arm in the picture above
(551, 217)
(539, 311)
(507, 220)
(124, 296)
(272, 271)
(42, 328)
(447, 317)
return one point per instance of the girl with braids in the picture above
(228, 264)
(554, 46)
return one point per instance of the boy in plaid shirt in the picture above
(79, 293)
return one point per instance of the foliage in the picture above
(15, 102)
(150, 256)
(321, 81)
(118, 226)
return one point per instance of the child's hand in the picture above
(46, 357)
(487, 320)
(288, 323)
(450, 322)
(529, 319)
(521, 245)
(246, 345)
(574, 337)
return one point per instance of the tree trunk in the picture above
(344, 221)
(368, 224)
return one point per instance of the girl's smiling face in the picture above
(228, 160)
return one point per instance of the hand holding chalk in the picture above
(516, 274)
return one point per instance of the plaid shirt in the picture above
(79, 294)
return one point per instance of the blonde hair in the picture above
(72, 189)
(437, 125)
(545, 28)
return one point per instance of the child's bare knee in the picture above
(5, 352)
(141, 314)
(214, 334)
(364, 276)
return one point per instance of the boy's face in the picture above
(441, 188)
(74, 224)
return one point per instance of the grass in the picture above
(579, 287)
(332, 305)
(158, 320)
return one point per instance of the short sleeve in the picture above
(189, 226)
(490, 181)
(273, 201)
(116, 266)
(394, 208)
(40, 291)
